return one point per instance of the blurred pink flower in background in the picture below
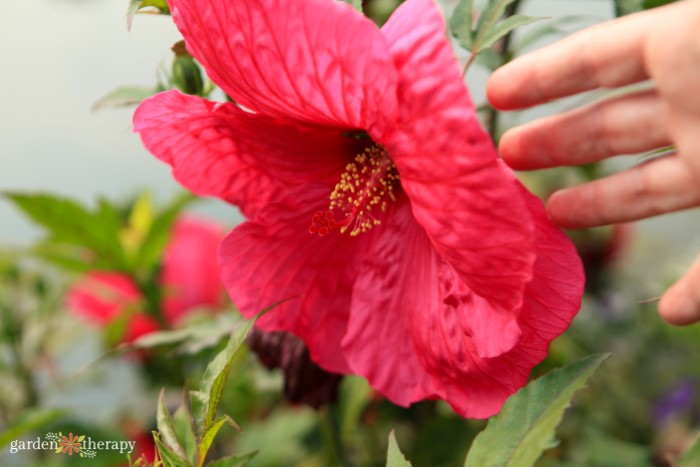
(189, 279)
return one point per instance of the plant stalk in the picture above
(492, 115)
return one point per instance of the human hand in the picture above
(662, 45)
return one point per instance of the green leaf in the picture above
(135, 5)
(549, 28)
(648, 4)
(158, 339)
(60, 215)
(182, 422)
(153, 245)
(356, 4)
(603, 449)
(506, 26)
(188, 340)
(125, 96)
(461, 23)
(198, 399)
(625, 7)
(489, 29)
(215, 374)
(489, 59)
(526, 425)
(487, 22)
(167, 455)
(107, 216)
(69, 222)
(68, 257)
(238, 460)
(166, 427)
(205, 401)
(691, 458)
(210, 434)
(31, 420)
(394, 457)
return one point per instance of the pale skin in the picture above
(662, 45)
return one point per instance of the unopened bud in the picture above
(186, 74)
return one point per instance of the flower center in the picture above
(367, 183)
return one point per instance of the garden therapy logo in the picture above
(70, 444)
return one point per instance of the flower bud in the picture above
(186, 75)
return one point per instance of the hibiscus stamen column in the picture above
(367, 182)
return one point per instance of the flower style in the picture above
(377, 206)
(70, 444)
(189, 278)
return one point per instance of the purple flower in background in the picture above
(680, 399)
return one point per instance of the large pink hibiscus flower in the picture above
(377, 205)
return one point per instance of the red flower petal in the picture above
(415, 327)
(139, 325)
(276, 258)
(190, 276)
(392, 288)
(477, 387)
(316, 61)
(416, 331)
(102, 296)
(246, 159)
(468, 202)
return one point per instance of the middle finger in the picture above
(626, 124)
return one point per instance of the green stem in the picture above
(468, 64)
(492, 115)
(330, 425)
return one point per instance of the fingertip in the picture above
(510, 149)
(679, 306)
(514, 86)
(552, 207)
(563, 212)
(497, 91)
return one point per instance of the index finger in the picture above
(610, 54)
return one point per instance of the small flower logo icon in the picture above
(70, 444)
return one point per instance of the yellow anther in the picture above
(366, 182)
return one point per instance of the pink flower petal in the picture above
(316, 61)
(246, 159)
(190, 276)
(276, 258)
(416, 331)
(102, 296)
(139, 325)
(479, 386)
(415, 327)
(468, 202)
(392, 288)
